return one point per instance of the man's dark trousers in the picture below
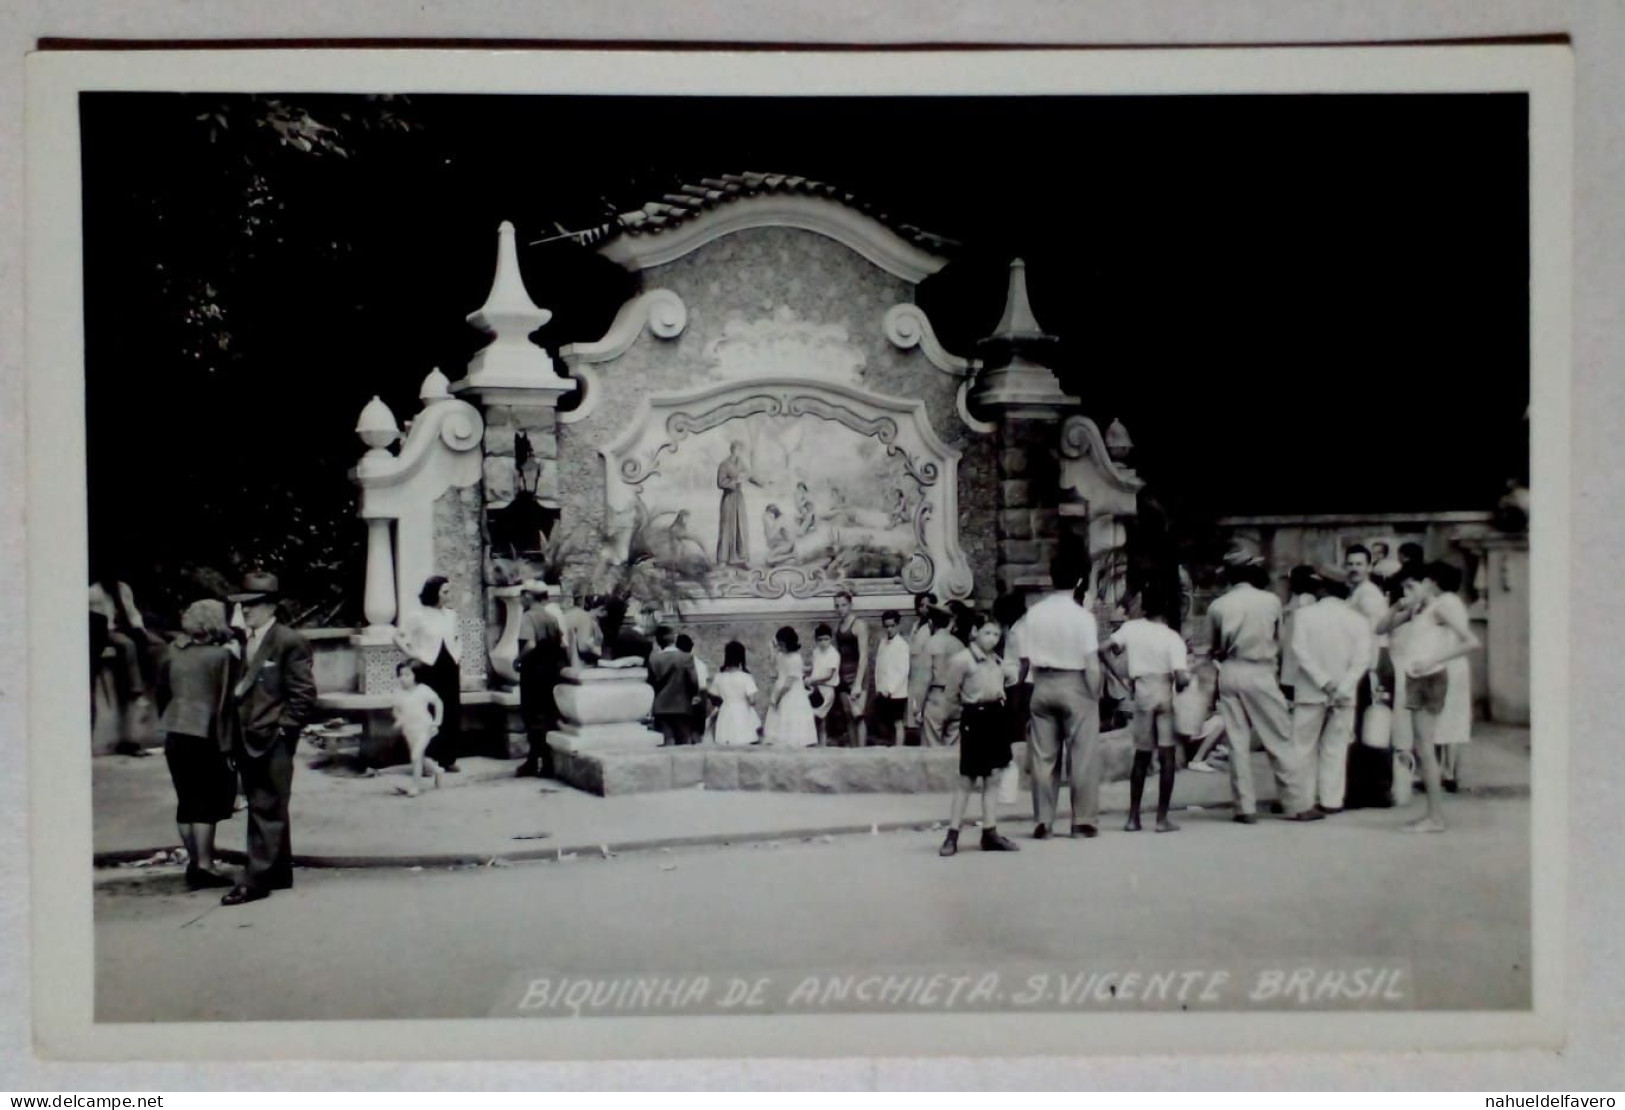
(267, 784)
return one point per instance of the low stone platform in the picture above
(803, 771)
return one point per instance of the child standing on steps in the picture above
(418, 713)
(976, 685)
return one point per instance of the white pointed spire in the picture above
(508, 311)
(1018, 384)
(1018, 321)
(511, 361)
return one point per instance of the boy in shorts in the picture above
(1151, 658)
(1442, 633)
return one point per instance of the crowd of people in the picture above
(1375, 649)
(1359, 677)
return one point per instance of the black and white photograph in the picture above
(747, 548)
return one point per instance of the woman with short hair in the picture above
(195, 677)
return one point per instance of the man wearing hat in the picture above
(275, 696)
(541, 657)
(1244, 628)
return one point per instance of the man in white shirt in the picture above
(1366, 598)
(1332, 645)
(891, 678)
(1151, 658)
(1058, 639)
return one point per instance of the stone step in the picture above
(874, 770)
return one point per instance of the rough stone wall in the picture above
(458, 554)
(746, 276)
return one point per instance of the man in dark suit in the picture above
(677, 684)
(274, 698)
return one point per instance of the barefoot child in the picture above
(1152, 657)
(1441, 634)
(976, 685)
(418, 713)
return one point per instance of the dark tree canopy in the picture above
(1296, 304)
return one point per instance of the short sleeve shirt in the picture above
(1058, 633)
(1150, 648)
(975, 679)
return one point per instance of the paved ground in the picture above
(449, 943)
(485, 813)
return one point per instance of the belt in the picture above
(1057, 670)
(1253, 662)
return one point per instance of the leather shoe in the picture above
(1330, 810)
(1310, 814)
(1088, 832)
(199, 879)
(527, 770)
(237, 895)
(1245, 819)
(995, 841)
(1041, 832)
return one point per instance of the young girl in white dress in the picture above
(789, 714)
(736, 721)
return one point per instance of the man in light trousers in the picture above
(1062, 648)
(1244, 628)
(1332, 645)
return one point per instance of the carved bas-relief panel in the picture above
(780, 491)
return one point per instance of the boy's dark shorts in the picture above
(1427, 692)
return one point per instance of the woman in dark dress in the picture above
(195, 677)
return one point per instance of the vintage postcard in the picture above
(731, 553)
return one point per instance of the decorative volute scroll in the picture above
(1106, 496)
(1088, 473)
(661, 311)
(780, 491)
(441, 451)
(511, 363)
(907, 326)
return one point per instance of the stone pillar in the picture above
(1028, 402)
(1505, 596)
(378, 602)
(1028, 522)
(514, 383)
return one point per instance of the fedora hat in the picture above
(257, 586)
